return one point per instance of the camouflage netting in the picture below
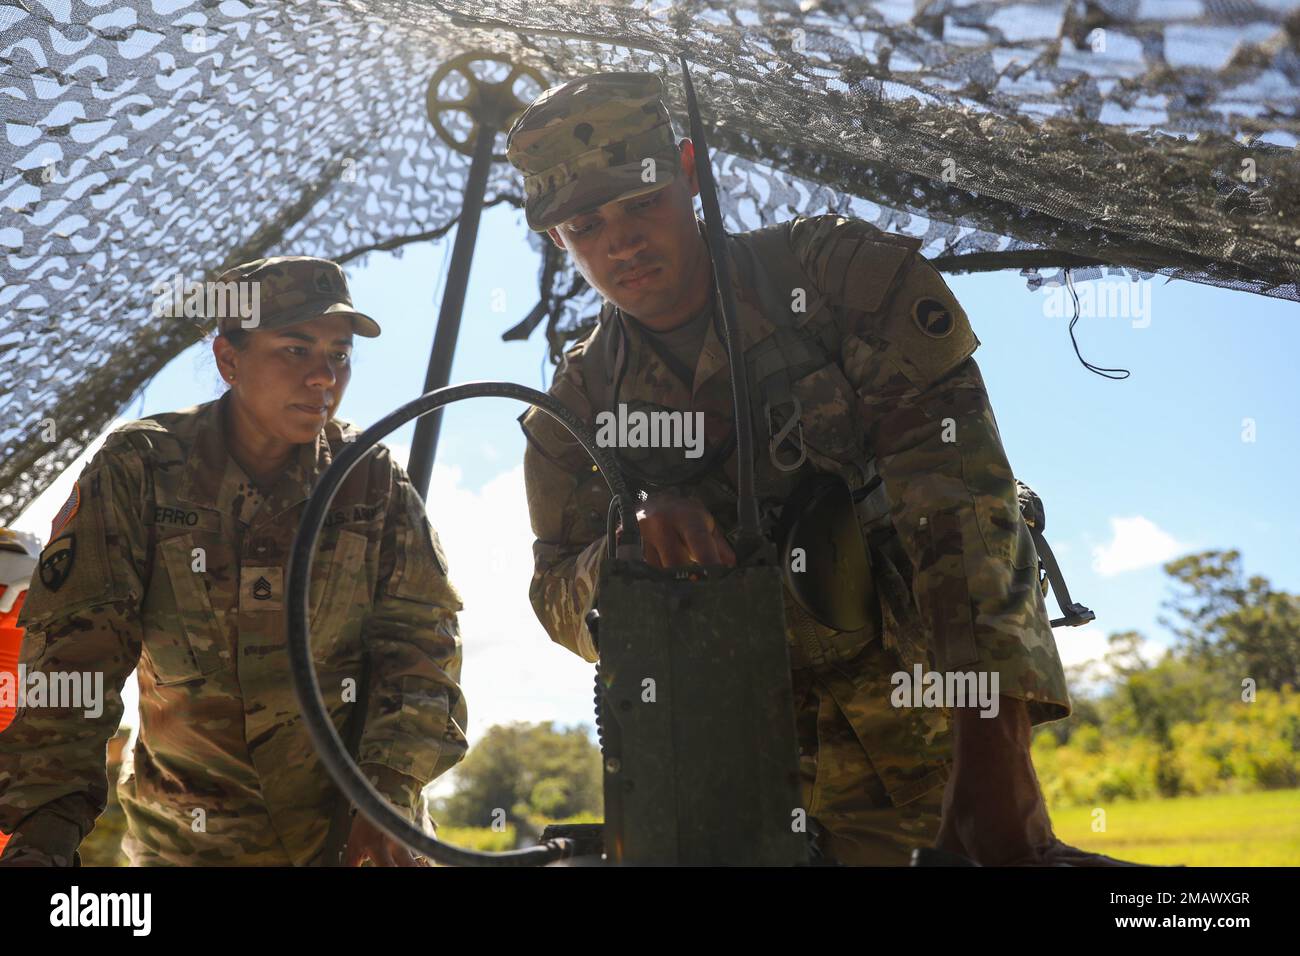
(146, 141)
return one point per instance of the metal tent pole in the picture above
(491, 108)
(427, 428)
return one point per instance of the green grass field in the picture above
(1250, 829)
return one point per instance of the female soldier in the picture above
(172, 553)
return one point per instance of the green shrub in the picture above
(1238, 747)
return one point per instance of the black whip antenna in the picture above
(715, 237)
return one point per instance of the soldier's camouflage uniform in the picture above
(863, 332)
(175, 561)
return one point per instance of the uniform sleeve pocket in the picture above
(336, 610)
(989, 481)
(421, 569)
(944, 596)
(185, 641)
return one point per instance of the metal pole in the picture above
(425, 446)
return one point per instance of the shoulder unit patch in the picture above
(57, 561)
(932, 317)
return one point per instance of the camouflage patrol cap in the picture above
(585, 143)
(293, 289)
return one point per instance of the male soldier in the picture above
(172, 553)
(860, 366)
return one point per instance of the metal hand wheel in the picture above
(486, 102)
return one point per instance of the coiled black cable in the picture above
(329, 745)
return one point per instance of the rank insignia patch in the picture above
(932, 317)
(261, 589)
(57, 560)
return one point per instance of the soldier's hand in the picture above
(368, 842)
(678, 531)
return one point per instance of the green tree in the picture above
(1147, 698)
(1236, 624)
(1179, 723)
(525, 774)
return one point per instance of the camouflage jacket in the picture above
(169, 557)
(858, 328)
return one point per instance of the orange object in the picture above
(11, 641)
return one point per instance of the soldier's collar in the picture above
(212, 477)
(295, 482)
(208, 463)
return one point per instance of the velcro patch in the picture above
(67, 512)
(873, 272)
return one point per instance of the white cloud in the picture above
(1135, 543)
(1078, 645)
(1089, 644)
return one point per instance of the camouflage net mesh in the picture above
(172, 138)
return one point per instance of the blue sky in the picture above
(1142, 469)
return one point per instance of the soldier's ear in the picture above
(554, 233)
(227, 358)
(687, 150)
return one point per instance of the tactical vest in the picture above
(807, 425)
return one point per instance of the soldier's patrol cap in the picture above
(585, 142)
(293, 289)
